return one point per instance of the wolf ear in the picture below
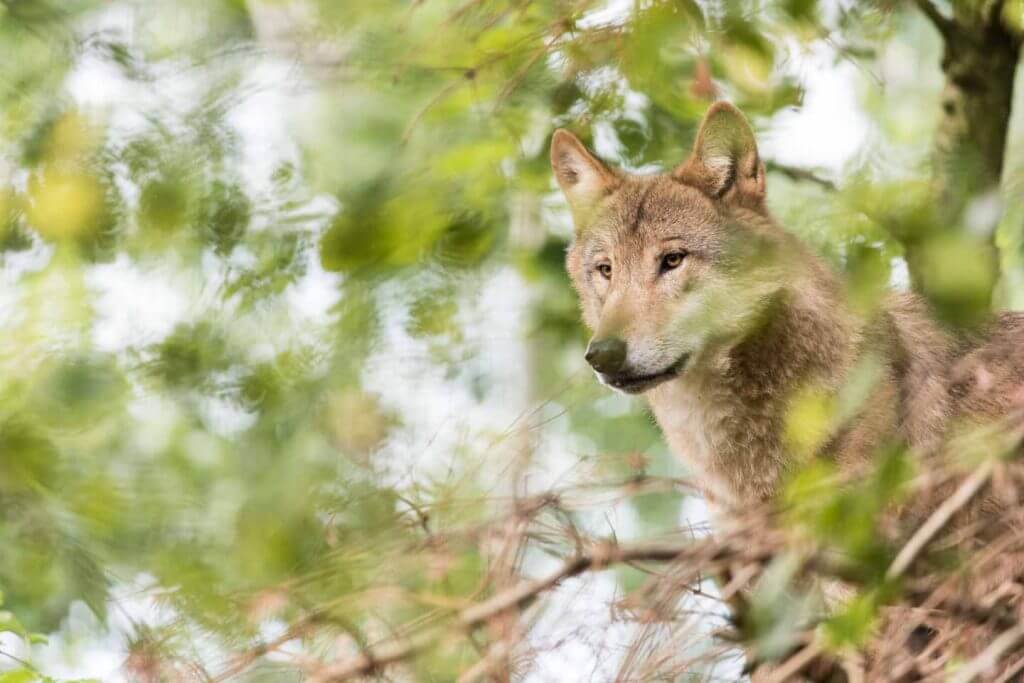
(724, 163)
(583, 177)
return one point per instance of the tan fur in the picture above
(760, 321)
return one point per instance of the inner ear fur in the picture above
(724, 163)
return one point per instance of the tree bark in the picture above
(979, 62)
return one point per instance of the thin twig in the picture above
(990, 656)
(800, 174)
(498, 652)
(368, 662)
(1012, 671)
(940, 518)
(433, 101)
(795, 664)
(17, 659)
(599, 557)
(246, 659)
(526, 66)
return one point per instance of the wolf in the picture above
(699, 301)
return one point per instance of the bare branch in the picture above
(367, 662)
(940, 518)
(795, 664)
(488, 663)
(800, 174)
(600, 556)
(943, 24)
(248, 658)
(990, 656)
(498, 653)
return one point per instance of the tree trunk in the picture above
(979, 61)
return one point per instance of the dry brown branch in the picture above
(947, 597)
(599, 556)
(940, 518)
(498, 654)
(494, 657)
(966, 610)
(368, 662)
(738, 553)
(911, 550)
(990, 656)
(246, 659)
(796, 663)
(1012, 672)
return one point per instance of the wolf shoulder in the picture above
(986, 380)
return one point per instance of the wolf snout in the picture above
(606, 355)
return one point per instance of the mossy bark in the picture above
(979, 60)
(980, 57)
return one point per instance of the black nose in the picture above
(606, 355)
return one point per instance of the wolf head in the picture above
(673, 268)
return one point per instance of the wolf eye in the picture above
(672, 260)
(606, 270)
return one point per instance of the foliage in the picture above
(251, 250)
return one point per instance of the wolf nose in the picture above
(606, 355)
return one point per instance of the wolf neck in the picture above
(726, 417)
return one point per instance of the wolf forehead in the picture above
(651, 208)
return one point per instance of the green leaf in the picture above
(19, 676)
(853, 622)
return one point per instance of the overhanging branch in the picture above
(800, 174)
(942, 23)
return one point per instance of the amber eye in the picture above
(672, 260)
(606, 270)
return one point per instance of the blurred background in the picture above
(289, 363)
